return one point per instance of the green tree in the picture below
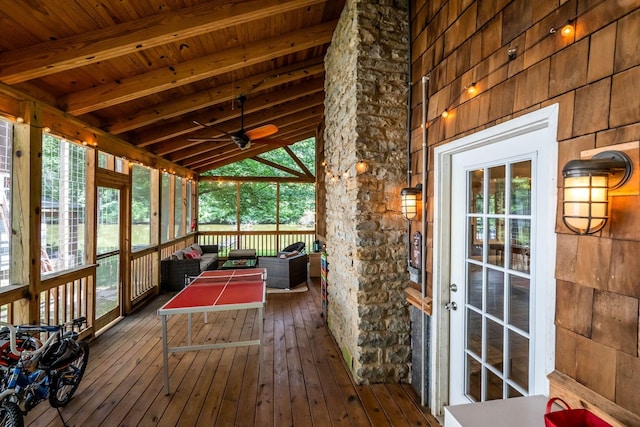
(217, 202)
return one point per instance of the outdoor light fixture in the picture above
(410, 199)
(585, 208)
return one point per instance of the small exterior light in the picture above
(568, 29)
(410, 198)
(361, 167)
(472, 89)
(585, 205)
(445, 113)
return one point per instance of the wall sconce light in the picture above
(585, 207)
(410, 201)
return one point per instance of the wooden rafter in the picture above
(180, 148)
(131, 88)
(82, 49)
(217, 95)
(225, 112)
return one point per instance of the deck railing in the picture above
(266, 243)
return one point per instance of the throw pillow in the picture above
(196, 247)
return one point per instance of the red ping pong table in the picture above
(214, 291)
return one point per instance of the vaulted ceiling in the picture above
(166, 75)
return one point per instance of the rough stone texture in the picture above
(366, 120)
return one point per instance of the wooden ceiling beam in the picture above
(277, 166)
(280, 179)
(195, 148)
(76, 51)
(230, 157)
(217, 95)
(135, 87)
(223, 155)
(304, 109)
(224, 112)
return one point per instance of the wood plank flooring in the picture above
(304, 380)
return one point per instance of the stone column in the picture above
(366, 121)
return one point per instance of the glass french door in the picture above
(109, 281)
(492, 303)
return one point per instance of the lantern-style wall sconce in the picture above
(585, 208)
(410, 201)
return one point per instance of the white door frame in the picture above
(545, 118)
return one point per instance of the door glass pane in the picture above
(521, 188)
(495, 293)
(474, 379)
(474, 285)
(513, 392)
(476, 196)
(519, 291)
(495, 344)
(496, 241)
(107, 280)
(496, 190)
(108, 256)
(476, 238)
(520, 240)
(494, 386)
(519, 359)
(474, 332)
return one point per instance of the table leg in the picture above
(165, 357)
(260, 334)
(189, 329)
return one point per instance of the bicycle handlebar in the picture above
(44, 328)
(12, 337)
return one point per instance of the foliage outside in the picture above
(258, 208)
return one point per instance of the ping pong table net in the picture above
(222, 279)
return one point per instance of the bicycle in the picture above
(32, 371)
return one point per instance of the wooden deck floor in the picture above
(305, 381)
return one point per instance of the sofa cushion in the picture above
(196, 247)
(242, 254)
(192, 255)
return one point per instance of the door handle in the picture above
(451, 306)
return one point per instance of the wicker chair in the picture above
(285, 273)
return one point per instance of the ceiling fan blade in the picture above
(212, 127)
(208, 139)
(273, 141)
(261, 132)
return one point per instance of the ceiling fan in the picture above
(242, 138)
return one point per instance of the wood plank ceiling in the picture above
(151, 72)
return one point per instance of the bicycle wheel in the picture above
(10, 415)
(66, 381)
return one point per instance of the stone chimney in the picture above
(365, 138)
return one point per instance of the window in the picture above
(6, 134)
(190, 225)
(63, 204)
(141, 210)
(165, 234)
(178, 204)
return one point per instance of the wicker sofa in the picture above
(285, 271)
(183, 263)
